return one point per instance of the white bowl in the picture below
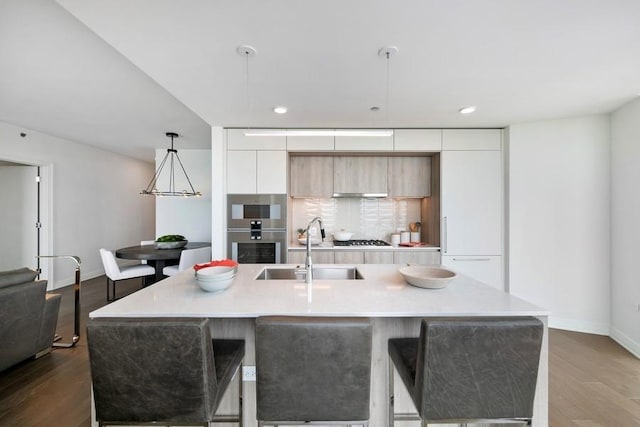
(342, 236)
(314, 240)
(214, 285)
(216, 272)
(427, 277)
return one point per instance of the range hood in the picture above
(360, 195)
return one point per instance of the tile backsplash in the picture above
(366, 218)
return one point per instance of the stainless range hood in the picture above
(359, 195)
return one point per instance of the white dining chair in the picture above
(188, 258)
(116, 273)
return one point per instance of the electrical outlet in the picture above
(248, 373)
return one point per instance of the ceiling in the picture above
(118, 73)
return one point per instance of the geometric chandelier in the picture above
(172, 154)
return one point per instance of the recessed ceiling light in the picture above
(279, 110)
(467, 110)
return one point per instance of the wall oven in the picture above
(256, 228)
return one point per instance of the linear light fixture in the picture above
(319, 132)
(172, 155)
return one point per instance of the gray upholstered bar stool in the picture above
(313, 370)
(464, 370)
(161, 371)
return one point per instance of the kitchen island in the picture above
(394, 307)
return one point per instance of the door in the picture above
(18, 216)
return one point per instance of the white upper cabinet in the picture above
(472, 139)
(271, 172)
(241, 172)
(256, 165)
(310, 143)
(417, 140)
(364, 143)
(471, 205)
(237, 140)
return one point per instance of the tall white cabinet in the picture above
(472, 204)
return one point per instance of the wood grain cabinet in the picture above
(348, 257)
(360, 174)
(416, 257)
(378, 257)
(409, 176)
(311, 176)
(317, 256)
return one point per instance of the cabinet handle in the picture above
(444, 229)
(472, 259)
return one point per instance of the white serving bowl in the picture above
(314, 240)
(215, 285)
(216, 272)
(342, 236)
(427, 277)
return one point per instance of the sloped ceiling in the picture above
(154, 61)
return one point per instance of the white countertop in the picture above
(382, 293)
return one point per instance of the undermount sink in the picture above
(319, 273)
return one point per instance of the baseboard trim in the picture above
(624, 340)
(579, 326)
(84, 275)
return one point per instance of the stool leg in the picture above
(239, 374)
(391, 408)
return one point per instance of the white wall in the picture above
(625, 226)
(189, 216)
(559, 221)
(18, 217)
(95, 198)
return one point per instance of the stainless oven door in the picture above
(269, 250)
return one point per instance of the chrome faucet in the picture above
(308, 264)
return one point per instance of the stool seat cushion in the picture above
(313, 369)
(471, 368)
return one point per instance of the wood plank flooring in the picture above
(592, 380)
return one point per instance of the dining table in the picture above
(156, 257)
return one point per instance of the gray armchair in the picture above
(28, 316)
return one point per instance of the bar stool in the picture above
(157, 370)
(313, 370)
(464, 370)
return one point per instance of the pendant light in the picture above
(172, 156)
(387, 53)
(247, 52)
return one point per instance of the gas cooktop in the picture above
(361, 243)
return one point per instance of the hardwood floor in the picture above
(592, 380)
